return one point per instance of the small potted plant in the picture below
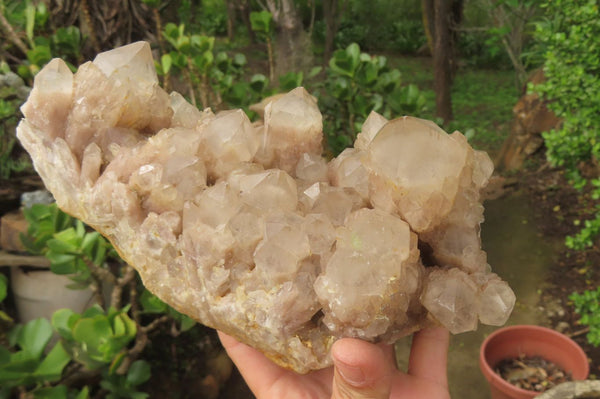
(521, 342)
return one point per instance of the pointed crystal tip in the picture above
(54, 77)
(133, 61)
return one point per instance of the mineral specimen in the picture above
(246, 228)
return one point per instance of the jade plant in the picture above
(105, 341)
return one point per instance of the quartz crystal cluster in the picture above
(247, 228)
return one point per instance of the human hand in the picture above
(361, 370)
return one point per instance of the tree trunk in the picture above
(292, 44)
(244, 9)
(230, 18)
(427, 10)
(442, 60)
(455, 20)
(331, 27)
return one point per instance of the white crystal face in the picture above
(248, 229)
(133, 62)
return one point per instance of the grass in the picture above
(482, 100)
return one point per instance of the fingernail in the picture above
(352, 375)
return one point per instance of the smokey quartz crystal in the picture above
(248, 229)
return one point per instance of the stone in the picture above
(531, 118)
(246, 228)
(12, 225)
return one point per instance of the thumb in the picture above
(361, 370)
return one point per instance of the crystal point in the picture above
(131, 62)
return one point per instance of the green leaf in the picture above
(79, 229)
(3, 286)
(89, 241)
(290, 81)
(53, 364)
(4, 355)
(65, 241)
(203, 61)
(367, 74)
(202, 43)
(61, 263)
(58, 392)
(67, 41)
(186, 323)
(262, 22)
(179, 60)
(13, 334)
(29, 20)
(84, 393)
(388, 81)
(93, 311)
(34, 336)
(41, 15)
(345, 62)
(239, 59)
(116, 362)
(166, 62)
(100, 255)
(93, 333)
(130, 326)
(151, 303)
(138, 373)
(39, 55)
(314, 72)
(61, 220)
(259, 83)
(118, 326)
(63, 321)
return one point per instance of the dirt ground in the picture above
(558, 206)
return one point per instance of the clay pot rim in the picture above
(506, 386)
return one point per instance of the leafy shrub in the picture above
(585, 238)
(12, 93)
(482, 49)
(407, 36)
(214, 77)
(95, 338)
(390, 25)
(101, 342)
(213, 18)
(27, 365)
(356, 84)
(587, 305)
(64, 42)
(572, 69)
(568, 35)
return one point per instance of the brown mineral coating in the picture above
(247, 229)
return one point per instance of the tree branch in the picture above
(155, 323)
(117, 292)
(10, 32)
(12, 260)
(99, 272)
(578, 333)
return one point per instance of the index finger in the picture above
(259, 372)
(429, 355)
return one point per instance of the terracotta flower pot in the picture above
(510, 342)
